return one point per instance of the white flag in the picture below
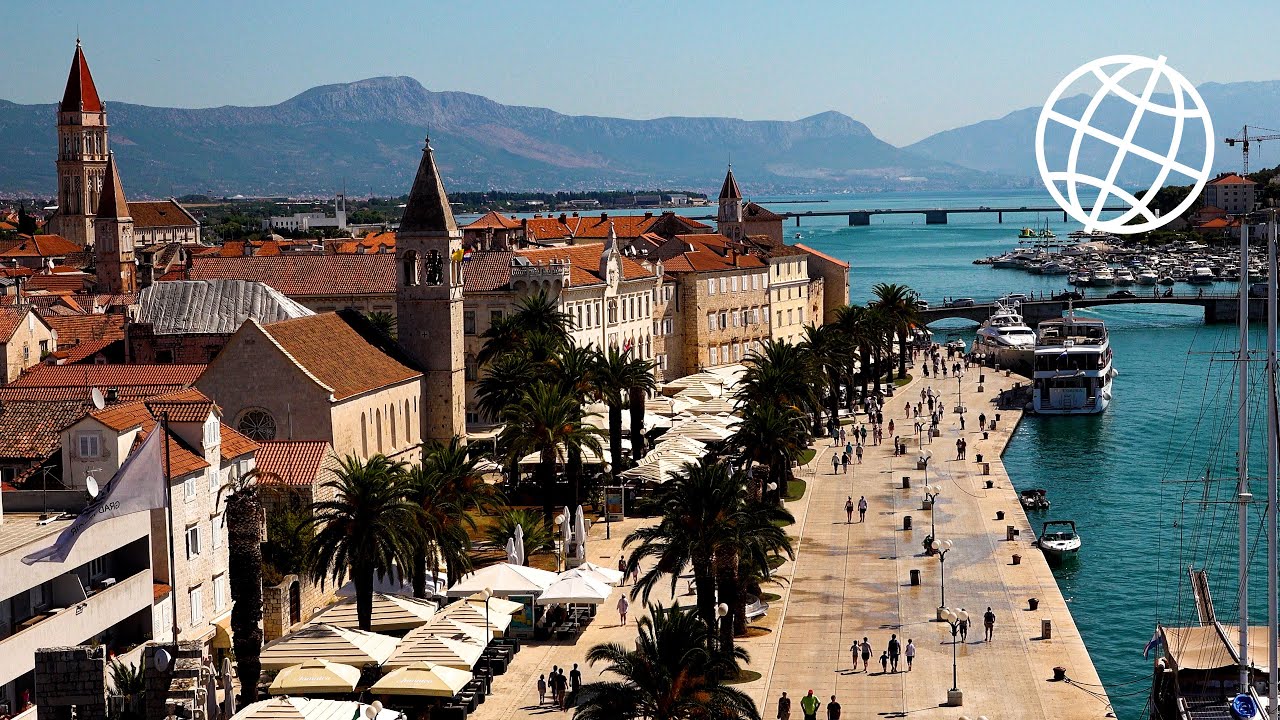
(138, 485)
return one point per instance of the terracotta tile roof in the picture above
(486, 270)
(111, 202)
(173, 377)
(43, 246)
(327, 347)
(79, 329)
(729, 190)
(182, 459)
(1232, 179)
(295, 463)
(173, 275)
(547, 228)
(80, 95)
(703, 253)
(61, 283)
(159, 213)
(31, 429)
(752, 211)
(308, 275)
(11, 272)
(374, 242)
(584, 262)
(129, 393)
(233, 443)
(10, 317)
(824, 256)
(495, 220)
(1217, 223)
(89, 349)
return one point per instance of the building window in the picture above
(724, 284)
(469, 322)
(189, 488)
(90, 445)
(219, 593)
(44, 348)
(408, 425)
(364, 434)
(711, 286)
(195, 599)
(411, 268)
(724, 319)
(613, 312)
(711, 321)
(469, 370)
(193, 541)
(217, 528)
(258, 424)
(667, 327)
(715, 356)
(495, 316)
(735, 283)
(662, 361)
(377, 419)
(97, 568)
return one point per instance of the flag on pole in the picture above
(138, 485)
(1155, 642)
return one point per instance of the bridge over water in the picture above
(932, 216)
(1218, 307)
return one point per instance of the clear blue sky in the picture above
(906, 69)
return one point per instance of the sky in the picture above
(906, 69)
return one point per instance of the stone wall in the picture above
(71, 679)
(276, 622)
(176, 683)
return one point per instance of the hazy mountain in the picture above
(1007, 145)
(369, 134)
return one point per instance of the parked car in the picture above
(1122, 295)
(1069, 295)
(922, 304)
(961, 302)
(1014, 298)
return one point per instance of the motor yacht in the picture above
(1072, 369)
(1006, 338)
(1058, 539)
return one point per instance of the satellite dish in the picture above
(98, 400)
(91, 485)
(163, 658)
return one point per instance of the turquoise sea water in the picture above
(1122, 476)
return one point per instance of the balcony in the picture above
(72, 625)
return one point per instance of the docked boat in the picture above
(1027, 233)
(1201, 275)
(1034, 499)
(1006, 338)
(1058, 539)
(1147, 277)
(1166, 280)
(1072, 370)
(1124, 276)
(1103, 277)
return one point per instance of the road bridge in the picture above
(1218, 307)
(932, 216)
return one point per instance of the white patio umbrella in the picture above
(351, 647)
(315, 676)
(423, 679)
(580, 528)
(579, 589)
(211, 697)
(228, 691)
(503, 579)
(511, 552)
(496, 604)
(587, 573)
(612, 577)
(656, 472)
(699, 430)
(427, 644)
(519, 544)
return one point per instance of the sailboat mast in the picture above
(1273, 430)
(1242, 460)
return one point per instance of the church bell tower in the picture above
(729, 216)
(82, 154)
(113, 237)
(429, 301)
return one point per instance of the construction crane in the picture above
(1245, 138)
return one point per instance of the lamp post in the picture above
(931, 493)
(773, 487)
(954, 618)
(559, 544)
(721, 611)
(959, 398)
(942, 547)
(488, 633)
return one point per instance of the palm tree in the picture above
(773, 435)
(758, 538)
(901, 308)
(536, 314)
(620, 378)
(384, 322)
(670, 675)
(782, 373)
(244, 576)
(826, 348)
(448, 487)
(127, 683)
(858, 326)
(538, 533)
(574, 368)
(367, 528)
(545, 419)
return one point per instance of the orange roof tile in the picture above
(493, 220)
(307, 275)
(822, 255)
(173, 377)
(10, 318)
(87, 349)
(31, 429)
(159, 213)
(333, 352)
(295, 463)
(78, 329)
(61, 283)
(1232, 179)
(80, 95)
(43, 246)
(233, 443)
(584, 262)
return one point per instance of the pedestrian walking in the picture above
(982, 421)
(622, 568)
(890, 426)
(809, 706)
(623, 606)
(554, 679)
(855, 650)
(859, 455)
(961, 421)
(835, 463)
(884, 662)
(575, 682)
(862, 508)
(866, 655)
(564, 691)
(959, 448)
(784, 707)
(989, 622)
(542, 689)
(894, 650)
(848, 448)
(964, 449)
(833, 709)
(964, 627)
(863, 432)
(842, 434)
(910, 653)
(848, 513)
(845, 460)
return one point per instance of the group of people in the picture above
(862, 509)
(893, 651)
(564, 689)
(809, 705)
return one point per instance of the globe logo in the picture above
(1185, 115)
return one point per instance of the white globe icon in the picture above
(1187, 106)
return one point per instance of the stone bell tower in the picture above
(113, 237)
(729, 216)
(429, 301)
(82, 154)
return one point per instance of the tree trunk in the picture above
(420, 573)
(704, 579)
(727, 588)
(834, 400)
(546, 480)
(637, 423)
(615, 438)
(362, 576)
(244, 547)
(902, 352)
(573, 472)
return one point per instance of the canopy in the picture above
(393, 583)
(504, 579)
(656, 472)
(589, 457)
(423, 679)
(590, 574)
(473, 614)
(613, 577)
(715, 407)
(699, 429)
(579, 589)
(315, 676)
(681, 444)
(496, 604)
(390, 613)
(696, 380)
(701, 391)
(668, 405)
(301, 708)
(322, 640)
(459, 629)
(423, 644)
(1203, 647)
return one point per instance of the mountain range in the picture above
(368, 135)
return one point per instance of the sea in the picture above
(1149, 483)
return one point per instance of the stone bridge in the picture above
(1218, 307)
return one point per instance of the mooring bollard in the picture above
(999, 514)
(1033, 603)
(1017, 559)
(991, 484)
(1059, 672)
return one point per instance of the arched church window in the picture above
(435, 268)
(410, 270)
(258, 424)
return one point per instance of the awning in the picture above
(222, 633)
(321, 640)
(1203, 647)
(315, 676)
(473, 614)
(423, 679)
(504, 579)
(580, 590)
(423, 644)
(390, 613)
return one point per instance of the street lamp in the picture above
(954, 618)
(931, 493)
(942, 547)
(773, 487)
(721, 611)
(559, 544)
(959, 399)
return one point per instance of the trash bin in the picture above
(1009, 532)
(986, 468)
(999, 514)
(906, 482)
(906, 522)
(915, 577)
(927, 504)
(1017, 559)
(1046, 629)
(1033, 603)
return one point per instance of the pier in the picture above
(932, 216)
(855, 580)
(1218, 307)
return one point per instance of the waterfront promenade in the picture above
(853, 580)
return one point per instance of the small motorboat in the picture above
(1035, 499)
(1058, 539)
(956, 345)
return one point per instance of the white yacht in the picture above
(1103, 277)
(1072, 367)
(1148, 277)
(1124, 276)
(1006, 338)
(1202, 275)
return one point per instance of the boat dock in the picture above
(850, 581)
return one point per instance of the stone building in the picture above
(25, 338)
(1232, 193)
(82, 154)
(323, 283)
(835, 281)
(40, 252)
(162, 222)
(493, 231)
(790, 292)
(325, 377)
(113, 236)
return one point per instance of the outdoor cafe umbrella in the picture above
(496, 604)
(475, 614)
(391, 613)
(301, 708)
(211, 696)
(579, 589)
(344, 645)
(588, 573)
(503, 579)
(315, 676)
(425, 644)
(580, 528)
(423, 679)
(228, 692)
(512, 557)
(656, 472)
(612, 577)
(519, 544)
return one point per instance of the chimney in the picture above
(604, 216)
(648, 215)
(112, 395)
(564, 218)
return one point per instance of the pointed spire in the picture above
(428, 207)
(112, 205)
(730, 191)
(81, 95)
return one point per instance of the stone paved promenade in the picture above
(851, 581)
